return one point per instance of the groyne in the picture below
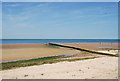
(82, 49)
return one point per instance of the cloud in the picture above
(42, 5)
(12, 5)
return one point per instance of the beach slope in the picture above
(98, 68)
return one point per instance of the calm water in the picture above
(41, 41)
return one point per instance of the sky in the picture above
(0, 20)
(60, 0)
(60, 20)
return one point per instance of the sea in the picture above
(43, 41)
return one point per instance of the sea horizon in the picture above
(42, 41)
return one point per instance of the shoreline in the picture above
(100, 43)
(55, 42)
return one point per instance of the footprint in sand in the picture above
(25, 75)
(73, 75)
(42, 74)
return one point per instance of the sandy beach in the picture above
(99, 68)
(93, 46)
(59, 39)
(103, 67)
(24, 51)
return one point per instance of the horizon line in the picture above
(84, 38)
(59, 1)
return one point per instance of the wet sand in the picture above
(24, 51)
(92, 46)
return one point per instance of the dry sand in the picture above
(99, 68)
(0, 60)
(24, 51)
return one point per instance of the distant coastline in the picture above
(42, 41)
